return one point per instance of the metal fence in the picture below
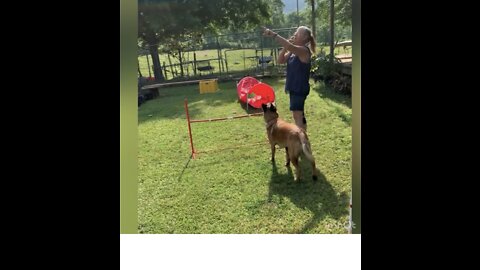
(230, 55)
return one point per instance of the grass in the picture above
(231, 186)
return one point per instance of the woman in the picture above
(297, 53)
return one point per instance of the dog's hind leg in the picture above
(314, 170)
(294, 160)
(273, 152)
(310, 158)
(287, 157)
(307, 151)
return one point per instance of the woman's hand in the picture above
(267, 32)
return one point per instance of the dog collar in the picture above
(271, 122)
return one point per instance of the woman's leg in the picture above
(300, 120)
(296, 106)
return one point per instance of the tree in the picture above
(343, 12)
(278, 18)
(303, 18)
(170, 22)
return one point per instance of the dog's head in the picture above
(269, 112)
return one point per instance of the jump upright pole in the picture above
(189, 128)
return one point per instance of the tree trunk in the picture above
(181, 62)
(194, 64)
(138, 68)
(298, 17)
(157, 68)
(219, 57)
(165, 69)
(149, 67)
(332, 36)
(313, 17)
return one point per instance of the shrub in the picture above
(330, 72)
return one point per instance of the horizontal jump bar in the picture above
(225, 118)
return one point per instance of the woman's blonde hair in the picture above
(311, 39)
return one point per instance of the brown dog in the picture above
(290, 136)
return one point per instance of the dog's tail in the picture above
(307, 150)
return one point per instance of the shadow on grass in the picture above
(249, 109)
(170, 103)
(184, 168)
(224, 155)
(319, 197)
(328, 93)
(335, 101)
(232, 147)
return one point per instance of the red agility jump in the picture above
(263, 93)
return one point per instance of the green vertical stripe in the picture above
(356, 116)
(128, 116)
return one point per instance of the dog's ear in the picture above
(264, 107)
(272, 108)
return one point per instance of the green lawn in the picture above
(231, 186)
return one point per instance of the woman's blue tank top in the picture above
(298, 74)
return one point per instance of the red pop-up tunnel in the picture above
(263, 93)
